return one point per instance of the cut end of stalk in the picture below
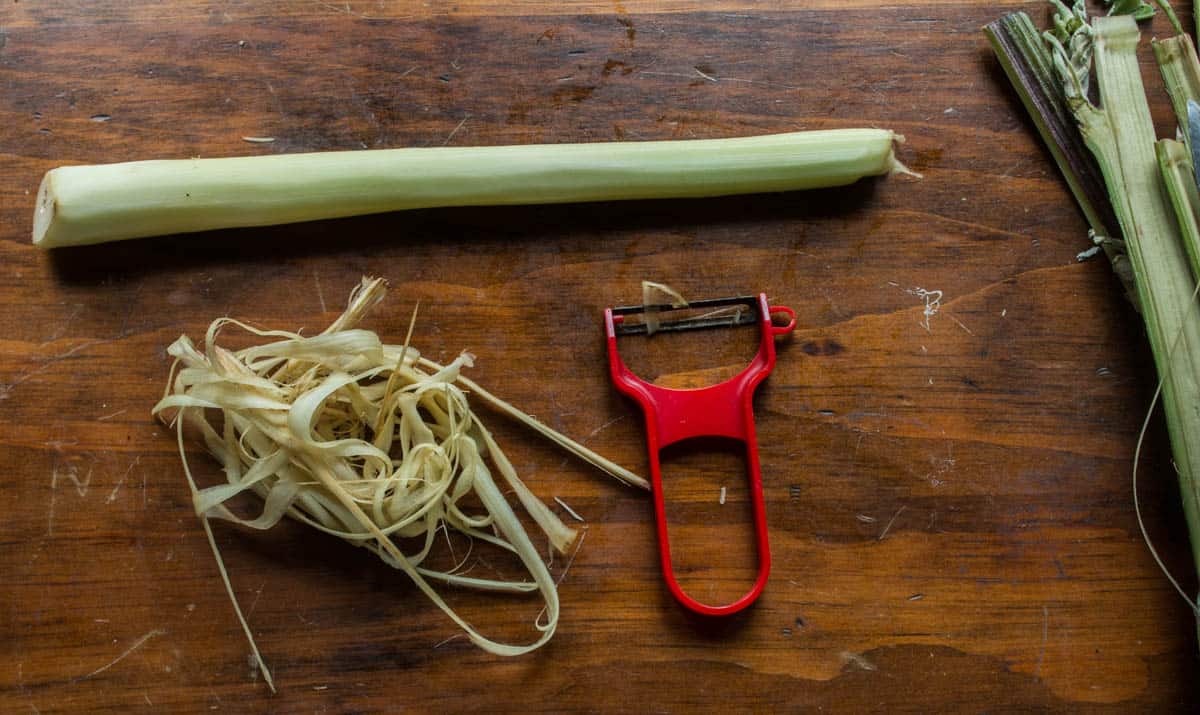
(44, 212)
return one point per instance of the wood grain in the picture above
(948, 490)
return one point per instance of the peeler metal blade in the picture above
(715, 318)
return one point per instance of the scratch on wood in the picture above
(684, 75)
(25, 689)
(666, 74)
(605, 426)
(942, 466)
(53, 497)
(960, 324)
(81, 487)
(136, 644)
(6, 390)
(1045, 637)
(72, 351)
(102, 418)
(320, 293)
(343, 10)
(62, 328)
(257, 595)
(455, 131)
(578, 546)
(891, 521)
(760, 82)
(112, 496)
(137, 292)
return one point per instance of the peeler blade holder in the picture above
(722, 410)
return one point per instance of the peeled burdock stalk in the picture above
(78, 205)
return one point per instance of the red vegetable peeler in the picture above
(721, 410)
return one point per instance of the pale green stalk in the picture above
(1165, 6)
(1029, 64)
(1180, 69)
(1121, 133)
(1175, 164)
(90, 204)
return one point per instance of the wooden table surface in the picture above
(946, 441)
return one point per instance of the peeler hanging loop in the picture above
(786, 327)
(721, 410)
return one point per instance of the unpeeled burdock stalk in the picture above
(1149, 184)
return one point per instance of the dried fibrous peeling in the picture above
(660, 297)
(654, 295)
(367, 442)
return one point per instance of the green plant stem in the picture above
(1121, 134)
(1176, 57)
(90, 204)
(1022, 53)
(1175, 164)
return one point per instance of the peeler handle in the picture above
(722, 410)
